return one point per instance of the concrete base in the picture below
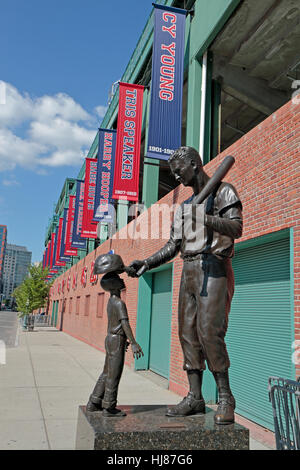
(147, 428)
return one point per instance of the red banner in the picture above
(58, 261)
(69, 251)
(127, 162)
(52, 270)
(89, 229)
(52, 249)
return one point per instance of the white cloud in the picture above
(61, 133)
(46, 131)
(64, 157)
(60, 105)
(17, 151)
(10, 182)
(17, 108)
(101, 110)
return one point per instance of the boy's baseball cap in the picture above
(109, 263)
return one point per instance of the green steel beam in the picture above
(122, 214)
(193, 104)
(151, 166)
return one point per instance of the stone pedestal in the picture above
(147, 428)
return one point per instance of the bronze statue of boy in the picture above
(207, 281)
(104, 396)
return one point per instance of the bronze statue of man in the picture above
(207, 282)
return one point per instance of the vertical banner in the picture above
(69, 251)
(58, 261)
(127, 161)
(164, 134)
(52, 268)
(77, 204)
(55, 249)
(88, 229)
(61, 247)
(63, 255)
(105, 176)
(51, 250)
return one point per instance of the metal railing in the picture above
(41, 320)
(284, 395)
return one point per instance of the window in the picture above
(100, 304)
(70, 305)
(87, 305)
(77, 305)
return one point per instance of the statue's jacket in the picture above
(206, 229)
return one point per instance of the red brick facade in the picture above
(266, 175)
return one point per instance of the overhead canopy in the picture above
(255, 58)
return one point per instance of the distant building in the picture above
(3, 239)
(16, 263)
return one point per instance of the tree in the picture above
(34, 291)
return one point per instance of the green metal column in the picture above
(91, 244)
(103, 233)
(208, 111)
(215, 119)
(151, 165)
(122, 214)
(193, 104)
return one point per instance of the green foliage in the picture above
(34, 291)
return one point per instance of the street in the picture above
(9, 330)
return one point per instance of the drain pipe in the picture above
(203, 101)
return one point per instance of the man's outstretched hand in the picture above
(137, 268)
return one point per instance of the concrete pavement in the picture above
(47, 375)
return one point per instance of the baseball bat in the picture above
(216, 178)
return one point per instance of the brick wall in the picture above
(266, 175)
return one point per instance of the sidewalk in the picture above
(48, 375)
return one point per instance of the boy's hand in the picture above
(136, 350)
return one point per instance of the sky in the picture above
(58, 62)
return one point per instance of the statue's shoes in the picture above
(113, 413)
(225, 410)
(93, 406)
(188, 406)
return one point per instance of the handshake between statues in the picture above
(137, 268)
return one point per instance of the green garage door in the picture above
(260, 332)
(56, 303)
(160, 329)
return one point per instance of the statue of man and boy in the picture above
(206, 290)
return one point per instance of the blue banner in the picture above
(103, 207)
(164, 134)
(77, 241)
